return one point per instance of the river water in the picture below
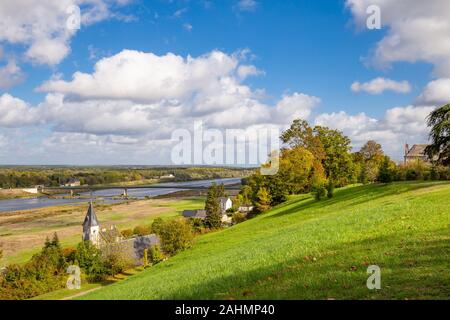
(107, 195)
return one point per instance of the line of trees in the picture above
(318, 159)
(22, 177)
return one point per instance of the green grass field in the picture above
(306, 249)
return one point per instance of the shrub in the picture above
(89, 259)
(145, 258)
(142, 230)
(330, 189)
(127, 233)
(319, 192)
(156, 225)
(69, 254)
(156, 255)
(238, 217)
(116, 258)
(175, 235)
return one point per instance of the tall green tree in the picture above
(338, 161)
(439, 121)
(212, 206)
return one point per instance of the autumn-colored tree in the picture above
(372, 156)
(300, 134)
(263, 200)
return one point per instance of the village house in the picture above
(225, 204)
(416, 152)
(107, 238)
(71, 183)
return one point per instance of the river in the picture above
(107, 195)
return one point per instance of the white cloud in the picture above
(379, 85)
(10, 74)
(41, 26)
(15, 112)
(436, 92)
(290, 107)
(398, 125)
(417, 31)
(146, 77)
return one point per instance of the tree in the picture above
(338, 161)
(300, 134)
(89, 259)
(294, 172)
(212, 206)
(385, 172)
(176, 235)
(371, 155)
(263, 200)
(439, 121)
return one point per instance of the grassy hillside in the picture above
(305, 249)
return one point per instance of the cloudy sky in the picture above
(113, 90)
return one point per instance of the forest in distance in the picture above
(50, 176)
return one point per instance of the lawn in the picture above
(305, 249)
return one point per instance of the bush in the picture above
(330, 189)
(89, 260)
(156, 255)
(156, 225)
(238, 217)
(142, 230)
(319, 192)
(175, 235)
(116, 258)
(69, 254)
(127, 233)
(45, 272)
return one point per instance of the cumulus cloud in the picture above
(398, 125)
(43, 27)
(15, 112)
(10, 74)
(436, 92)
(146, 77)
(379, 85)
(416, 31)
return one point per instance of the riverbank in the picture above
(17, 194)
(23, 233)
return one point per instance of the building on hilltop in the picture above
(416, 152)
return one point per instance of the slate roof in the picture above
(139, 244)
(91, 219)
(200, 213)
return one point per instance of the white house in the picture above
(225, 204)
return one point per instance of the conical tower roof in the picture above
(91, 218)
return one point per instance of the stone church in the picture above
(105, 238)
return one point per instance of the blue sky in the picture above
(315, 48)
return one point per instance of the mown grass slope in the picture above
(306, 249)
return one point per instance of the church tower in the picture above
(91, 227)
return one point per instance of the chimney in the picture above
(406, 149)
